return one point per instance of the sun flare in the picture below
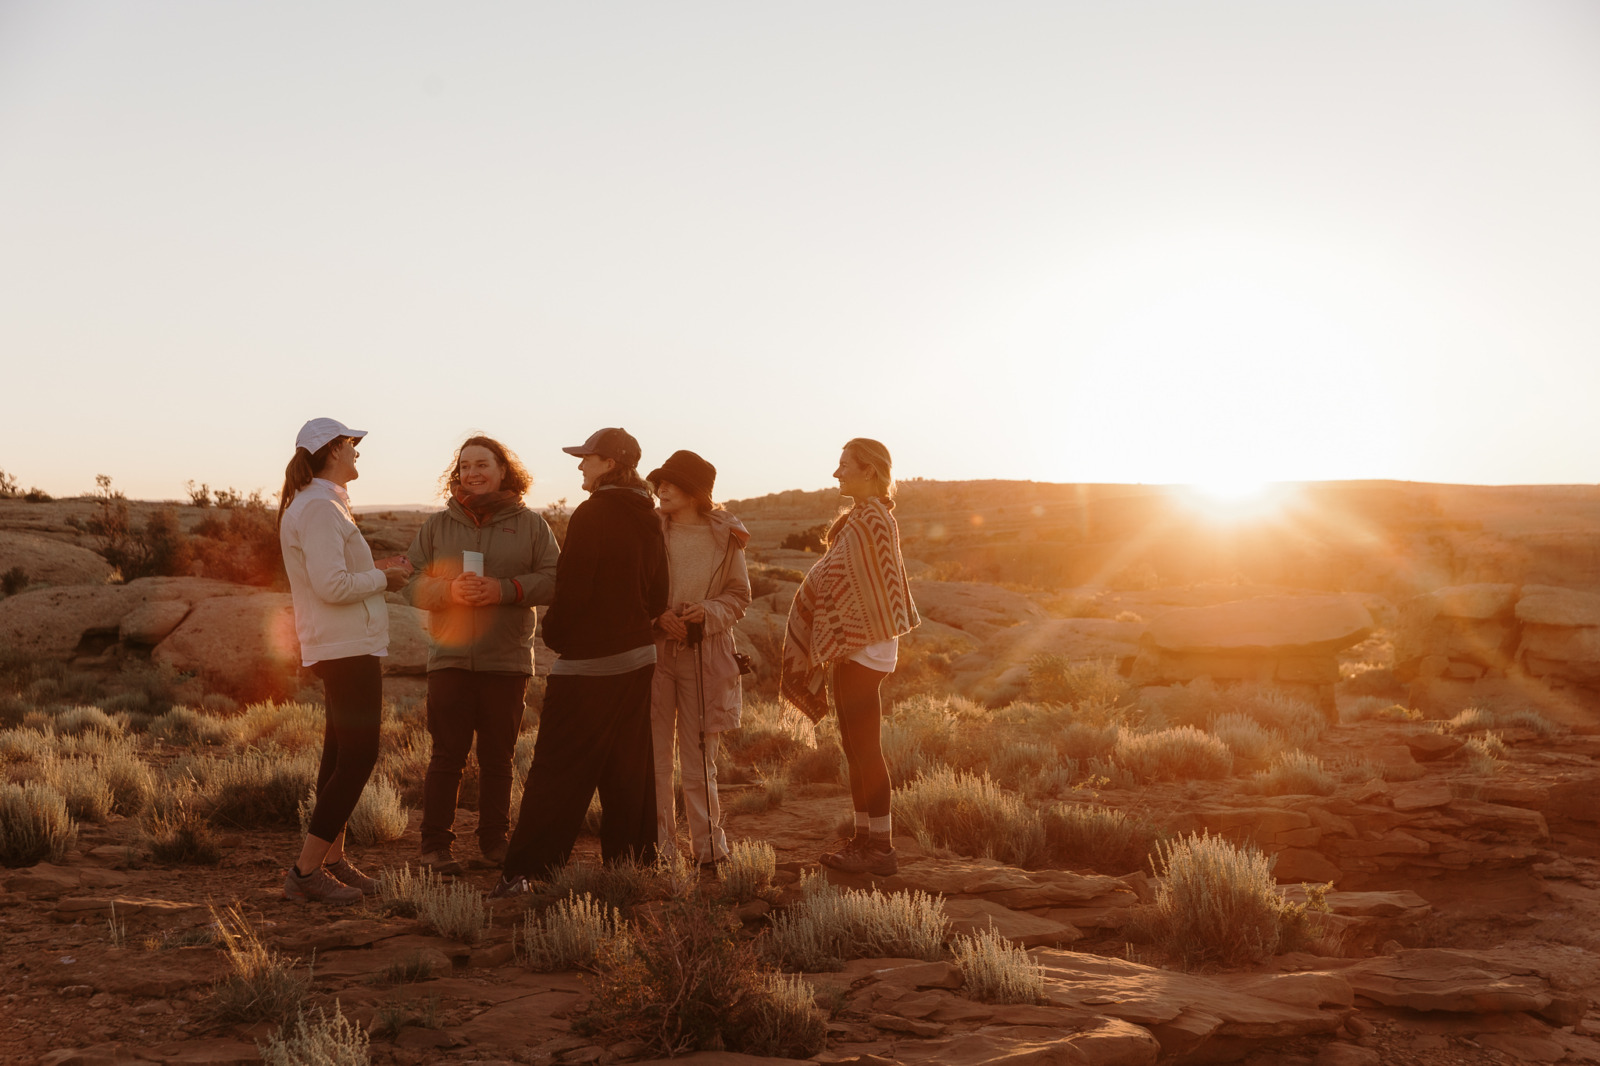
(1234, 500)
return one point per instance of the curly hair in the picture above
(515, 476)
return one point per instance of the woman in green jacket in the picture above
(482, 565)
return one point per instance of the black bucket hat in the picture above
(688, 471)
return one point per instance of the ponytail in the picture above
(301, 469)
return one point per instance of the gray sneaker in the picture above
(345, 872)
(319, 887)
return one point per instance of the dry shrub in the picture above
(25, 746)
(262, 984)
(1369, 708)
(191, 728)
(88, 796)
(253, 789)
(995, 970)
(1057, 679)
(321, 1040)
(573, 933)
(971, 815)
(1097, 837)
(688, 981)
(1244, 736)
(451, 908)
(770, 735)
(34, 825)
(75, 721)
(1202, 701)
(619, 884)
(177, 831)
(1181, 754)
(1085, 742)
(1484, 753)
(748, 873)
(1296, 773)
(290, 725)
(827, 926)
(1218, 903)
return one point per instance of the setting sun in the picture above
(1234, 499)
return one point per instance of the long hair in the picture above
(624, 477)
(514, 476)
(873, 455)
(301, 469)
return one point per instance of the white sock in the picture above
(862, 821)
(884, 825)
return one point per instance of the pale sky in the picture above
(1156, 242)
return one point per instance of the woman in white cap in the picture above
(342, 621)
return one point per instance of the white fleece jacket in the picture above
(339, 609)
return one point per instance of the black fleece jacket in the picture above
(611, 582)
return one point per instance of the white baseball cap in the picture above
(319, 431)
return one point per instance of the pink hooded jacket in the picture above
(724, 602)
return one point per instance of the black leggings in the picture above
(353, 692)
(855, 691)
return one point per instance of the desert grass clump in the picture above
(828, 926)
(1202, 701)
(25, 746)
(261, 984)
(451, 908)
(320, 1040)
(1057, 679)
(1377, 708)
(74, 721)
(572, 934)
(177, 831)
(751, 866)
(190, 728)
(1181, 754)
(1085, 741)
(618, 884)
(1100, 838)
(1484, 752)
(1471, 720)
(689, 981)
(254, 789)
(34, 825)
(290, 725)
(1244, 736)
(995, 970)
(131, 780)
(1218, 903)
(1532, 721)
(770, 735)
(1296, 773)
(88, 796)
(971, 815)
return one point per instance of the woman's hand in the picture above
(397, 570)
(672, 625)
(692, 612)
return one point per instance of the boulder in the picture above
(244, 645)
(980, 610)
(57, 623)
(151, 623)
(1547, 605)
(1301, 624)
(408, 640)
(48, 561)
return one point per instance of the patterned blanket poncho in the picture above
(855, 595)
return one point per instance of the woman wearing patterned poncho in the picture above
(847, 620)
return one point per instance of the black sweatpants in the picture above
(594, 732)
(353, 692)
(462, 703)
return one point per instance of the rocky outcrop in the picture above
(47, 561)
(60, 623)
(1500, 645)
(1290, 642)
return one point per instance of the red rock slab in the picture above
(1006, 885)
(79, 908)
(1269, 623)
(46, 881)
(1421, 795)
(1100, 1042)
(525, 1021)
(971, 916)
(363, 962)
(1185, 1011)
(204, 1053)
(1437, 979)
(344, 933)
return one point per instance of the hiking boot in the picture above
(509, 887)
(868, 857)
(493, 854)
(345, 872)
(440, 862)
(842, 851)
(318, 887)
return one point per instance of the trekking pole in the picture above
(705, 772)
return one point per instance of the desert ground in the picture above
(1309, 779)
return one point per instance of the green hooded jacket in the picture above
(519, 549)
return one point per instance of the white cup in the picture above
(472, 563)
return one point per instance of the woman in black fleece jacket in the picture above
(594, 730)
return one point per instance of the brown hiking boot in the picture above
(317, 887)
(842, 850)
(345, 872)
(440, 862)
(864, 857)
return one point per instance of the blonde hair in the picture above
(874, 456)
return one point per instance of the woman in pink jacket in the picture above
(696, 691)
